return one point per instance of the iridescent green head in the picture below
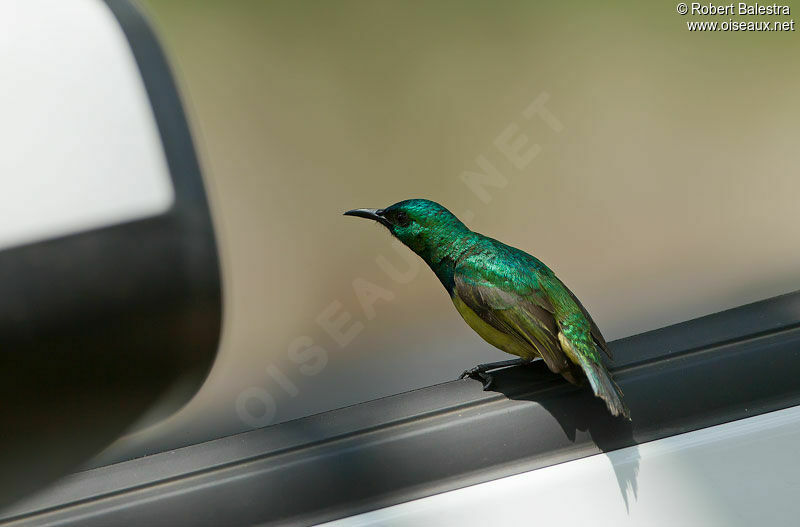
(420, 224)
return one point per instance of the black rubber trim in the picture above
(731, 365)
(97, 326)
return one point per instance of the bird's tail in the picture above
(604, 386)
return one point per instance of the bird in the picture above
(507, 296)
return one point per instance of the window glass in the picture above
(652, 168)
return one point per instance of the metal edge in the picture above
(448, 436)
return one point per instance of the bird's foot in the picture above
(480, 371)
(478, 374)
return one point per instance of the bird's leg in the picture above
(482, 368)
(480, 371)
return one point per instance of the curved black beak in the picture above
(370, 214)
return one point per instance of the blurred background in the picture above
(663, 187)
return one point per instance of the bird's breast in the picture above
(490, 334)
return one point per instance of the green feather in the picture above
(510, 298)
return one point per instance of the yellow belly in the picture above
(496, 338)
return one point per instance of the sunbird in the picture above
(508, 297)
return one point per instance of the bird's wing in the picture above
(527, 317)
(596, 335)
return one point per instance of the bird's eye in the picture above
(402, 219)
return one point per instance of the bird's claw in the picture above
(469, 373)
(477, 373)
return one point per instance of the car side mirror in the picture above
(109, 276)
